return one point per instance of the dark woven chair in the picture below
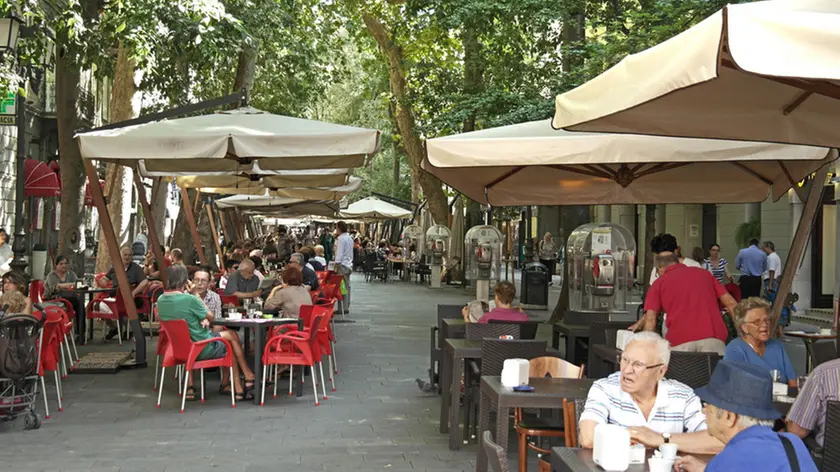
(831, 455)
(692, 368)
(435, 341)
(601, 333)
(823, 351)
(477, 331)
(527, 329)
(496, 458)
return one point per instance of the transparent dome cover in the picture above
(483, 252)
(601, 258)
(437, 244)
(413, 237)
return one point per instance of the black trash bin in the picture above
(534, 291)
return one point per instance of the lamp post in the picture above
(12, 30)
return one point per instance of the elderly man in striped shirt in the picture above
(655, 410)
(807, 415)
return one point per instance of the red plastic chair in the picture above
(49, 356)
(293, 348)
(186, 351)
(734, 290)
(95, 311)
(325, 335)
(330, 304)
(337, 279)
(228, 299)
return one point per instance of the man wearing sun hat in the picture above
(739, 412)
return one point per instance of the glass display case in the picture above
(437, 244)
(483, 249)
(412, 235)
(601, 259)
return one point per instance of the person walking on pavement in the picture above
(344, 261)
(752, 262)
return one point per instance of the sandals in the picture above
(190, 394)
(246, 396)
(224, 389)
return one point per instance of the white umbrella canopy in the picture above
(533, 164)
(230, 141)
(264, 179)
(372, 208)
(764, 71)
(304, 193)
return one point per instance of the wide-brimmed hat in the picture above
(742, 388)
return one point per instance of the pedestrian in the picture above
(751, 262)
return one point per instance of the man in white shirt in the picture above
(6, 254)
(638, 397)
(344, 260)
(770, 277)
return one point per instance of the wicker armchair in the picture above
(496, 458)
(476, 331)
(435, 341)
(823, 351)
(527, 329)
(692, 368)
(831, 455)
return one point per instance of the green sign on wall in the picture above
(8, 112)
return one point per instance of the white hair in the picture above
(663, 347)
(745, 422)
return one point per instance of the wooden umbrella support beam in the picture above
(150, 223)
(800, 242)
(119, 269)
(215, 236)
(193, 229)
(228, 236)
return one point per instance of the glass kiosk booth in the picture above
(412, 235)
(483, 247)
(601, 257)
(437, 247)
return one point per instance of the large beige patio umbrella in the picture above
(231, 141)
(764, 71)
(305, 193)
(533, 164)
(372, 208)
(265, 179)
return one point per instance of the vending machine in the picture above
(601, 258)
(483, 246)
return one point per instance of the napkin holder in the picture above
(611, 448)
(622, 337)
(780, 389)
(515, 372)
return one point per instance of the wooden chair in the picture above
(571, 422)
(555, 368)
(496, 458)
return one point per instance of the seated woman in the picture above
(289, 296)
(13, 282)
(503, 295)
(177, 304)
(16, 301)
(318, 259)
(752, 320)
(474, 310)
(61, 282)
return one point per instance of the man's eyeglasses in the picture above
(637, 366)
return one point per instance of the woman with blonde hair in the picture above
(752, 320)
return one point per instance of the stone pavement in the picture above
(377, 420)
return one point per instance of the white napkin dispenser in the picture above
(515, 372)
(622, 336)
(611, 449)
(780, 389)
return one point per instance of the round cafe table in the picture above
(809, 339)
(260, 327)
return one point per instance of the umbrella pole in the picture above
(191, 222)
(228, 237)
(119, 269)
(800, 241)
(150, 224)
(215, 236)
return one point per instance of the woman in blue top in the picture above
(752, 320)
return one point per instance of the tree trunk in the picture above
(160, 190)
(570, 218)
(119, 177)
(71, 238)
(431, 185)
(182, 236)
(246, 66)
(650, 232)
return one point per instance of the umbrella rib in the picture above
(752, 172)
(607, 169)
(797, 102)
(793, 184)
(575, 170)
(504, 177)
(598, 172)
(637, 167)
(661, 167)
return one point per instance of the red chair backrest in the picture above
(734, 290)
(36, 291)
(179, 338)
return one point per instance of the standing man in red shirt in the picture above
(690, 296)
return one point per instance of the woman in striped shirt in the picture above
(717, 265)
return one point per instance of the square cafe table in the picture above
(575, 459)
(548, 393)
(260, 327)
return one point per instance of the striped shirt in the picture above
(676, 409)
(823, 385)
(720, 271)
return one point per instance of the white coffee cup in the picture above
(660, 464)
(669, 451)
(825, 331)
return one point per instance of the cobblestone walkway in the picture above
(377, 420)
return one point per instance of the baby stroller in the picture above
(20, 356)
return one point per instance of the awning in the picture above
(532, 164)
(40, 181)
(763, 71)
(372, 208)
(230, 141)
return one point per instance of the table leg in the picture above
(81, 316)
(445, 380)
(259, 345)
(502, 426)
(483, 425)
(302, 370)
(809, 359)
(555, 338)
(455, 404)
